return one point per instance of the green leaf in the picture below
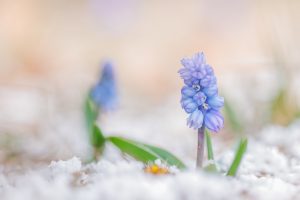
(278, 105)
(238, 157)
(91, 113)
(211, 167)
(234, 122)
(166, 156)
(210, 153)
(283, 108)
(97, 138)
(144, 152)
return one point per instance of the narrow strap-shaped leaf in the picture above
(283, 108)
(145, 153)
(98, 138)
(91, 113)
(210, 153)
(238, 157)
(167, 156)
(134, 149)
(232, 118)
(211, 167)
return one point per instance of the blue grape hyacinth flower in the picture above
(104, 93)
(200, 98)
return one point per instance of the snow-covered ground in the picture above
(270, 169)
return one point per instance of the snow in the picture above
(266, 173)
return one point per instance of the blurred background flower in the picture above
(104, 93)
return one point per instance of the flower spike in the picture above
(200, 98)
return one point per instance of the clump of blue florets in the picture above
(104, 93)
(200, 98)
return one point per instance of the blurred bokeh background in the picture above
(51, 50)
